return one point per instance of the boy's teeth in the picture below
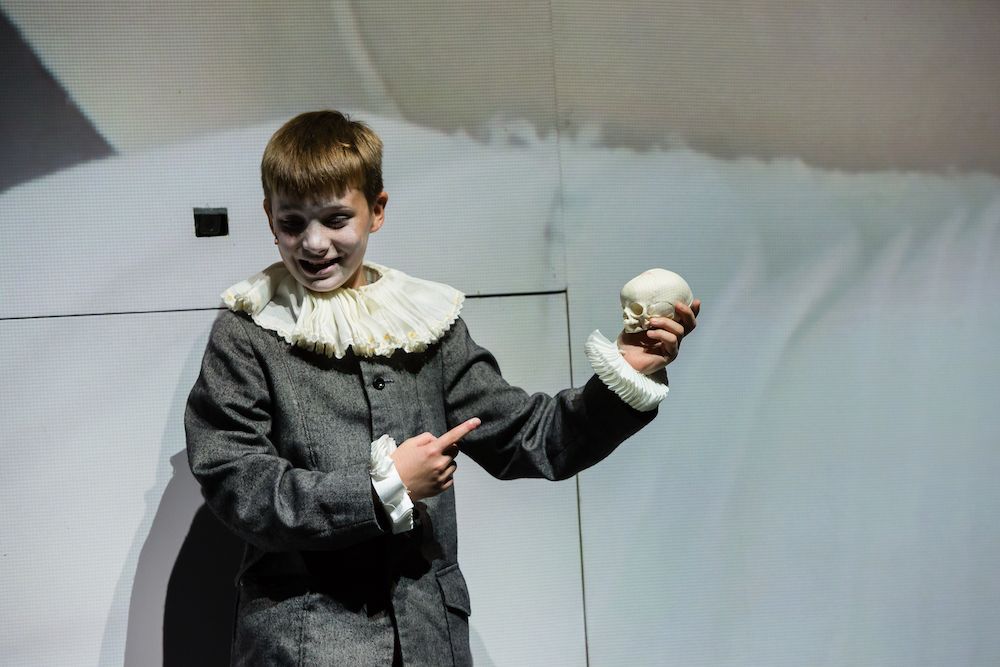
(314, 266)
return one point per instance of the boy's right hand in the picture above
(426, 464)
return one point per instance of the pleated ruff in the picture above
(640, 391)
(394, 311)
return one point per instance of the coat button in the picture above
(379, 384)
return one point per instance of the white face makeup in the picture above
(322, 240)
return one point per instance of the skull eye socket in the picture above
(636, 308)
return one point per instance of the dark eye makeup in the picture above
(292, 224)
(296, 224)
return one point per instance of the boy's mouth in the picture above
(317, 267)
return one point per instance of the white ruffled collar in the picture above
(393, 311)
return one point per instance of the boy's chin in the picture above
(322, 284)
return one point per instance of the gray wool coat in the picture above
(279, 439)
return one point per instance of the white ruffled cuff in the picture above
(642, 392)
(388, 485)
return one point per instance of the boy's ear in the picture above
(378, 211)
(267, 210)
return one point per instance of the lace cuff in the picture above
(642, 392)
(388, 485)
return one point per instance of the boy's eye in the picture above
(292, 225)
(336, 221)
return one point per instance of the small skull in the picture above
(652, 293)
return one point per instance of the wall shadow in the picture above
(187, 604)
(43, 129)
(180, 597)
(201, 595)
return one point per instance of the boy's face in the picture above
(322, 240)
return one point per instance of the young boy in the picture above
(323, 362)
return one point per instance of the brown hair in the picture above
(323, 152)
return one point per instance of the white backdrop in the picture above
(819, 487)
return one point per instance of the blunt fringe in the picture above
(318, 153)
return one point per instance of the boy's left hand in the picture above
(650, 351)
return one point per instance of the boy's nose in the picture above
(314, 240)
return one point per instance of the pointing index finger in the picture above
(460, 431)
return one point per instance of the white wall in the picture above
(819, 487)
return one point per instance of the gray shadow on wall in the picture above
(198, 607)
(182, 594)
(41, 128)
(482, 658)
(201, 595)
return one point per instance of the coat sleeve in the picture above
(257, 493)
(535, 435)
